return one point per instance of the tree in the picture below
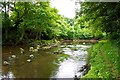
(29, 20)
(102, 16)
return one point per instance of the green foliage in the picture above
(101, 16)
(104, 60)
(29, 20)
(76, 31)
(87, 29)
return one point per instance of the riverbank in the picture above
(104, 60)
(50, 43)
(47, 44)
(81, 41)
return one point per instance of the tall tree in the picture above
(102, 16)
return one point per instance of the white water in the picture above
(70, 67)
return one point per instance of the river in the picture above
(45, 63)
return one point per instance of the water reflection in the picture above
(43, 64)
(70, 67)
(8, 75)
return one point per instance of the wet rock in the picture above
(84, 43)
(13, 56)
(31, 56)
(55, 45)
(35, 50)
(58, 52)
(76, 78)
(82, 69)
(46, 47)
(85, 69)
(62, 46)
(29, 60)
(31, 49)
(21, 50)
(38, 47)
(6, 63)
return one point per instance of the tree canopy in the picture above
(28, 20)
(23, 21)
(102, 16)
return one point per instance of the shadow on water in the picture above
(63, 61)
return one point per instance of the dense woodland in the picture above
(103, 56)
(102, 17)
(24, 22)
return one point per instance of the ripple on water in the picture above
(65, 69)
(8, 75)
(69, 68)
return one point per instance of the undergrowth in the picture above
(104, 60)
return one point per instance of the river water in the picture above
(44, 63)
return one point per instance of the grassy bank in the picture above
(104, 60)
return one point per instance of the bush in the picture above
(103, 58)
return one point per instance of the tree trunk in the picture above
(21, 38)
(6, 28)
(37, 35)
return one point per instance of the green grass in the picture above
(104, 60)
